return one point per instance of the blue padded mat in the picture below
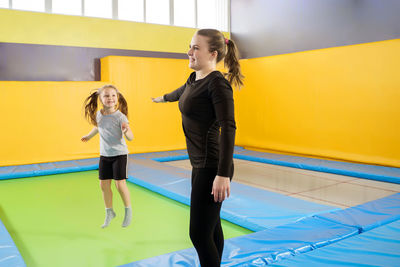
(285, 241)
(378, 247)
(373, 172)
(21, 171)
(9, 254)
(368, 215)
(262, 247)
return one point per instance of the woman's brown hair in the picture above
(92, 100)
(226, 50)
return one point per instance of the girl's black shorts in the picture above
(115, 167)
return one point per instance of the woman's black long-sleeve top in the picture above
(208, 121)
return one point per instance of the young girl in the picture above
(206, 104)
(112, 123)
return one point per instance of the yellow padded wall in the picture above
(43, 122)
(341, 103)
(337, 103)
(156, 127)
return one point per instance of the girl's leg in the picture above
(123, 191)
(125, 195)
(105, 186)
(205, 229)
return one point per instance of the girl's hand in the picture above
(124, 127)
(159, 99)
(85, 138)
(221, 188)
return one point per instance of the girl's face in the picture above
(109, 98)
(199, 55)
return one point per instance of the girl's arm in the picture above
(126, 130)
(89, 136)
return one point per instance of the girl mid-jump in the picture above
(112, 124)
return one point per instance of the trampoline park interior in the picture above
(317, 155)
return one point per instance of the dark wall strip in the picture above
(32, 62)
(272, 27)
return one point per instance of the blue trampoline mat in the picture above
(293, 239)
(366, 171)
(9, 253)
(378, 247)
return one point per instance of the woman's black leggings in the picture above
(205, 224)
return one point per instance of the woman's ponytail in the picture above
(226, 50)
(231, 61)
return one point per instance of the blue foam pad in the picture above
(264, 247)
(378, 247)
(171, 158)
(368, 215)
(21, 171)
(9, 254)
(373, 172)
(285, 241)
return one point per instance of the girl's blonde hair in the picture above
(92, 100)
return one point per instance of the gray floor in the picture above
(324, 188)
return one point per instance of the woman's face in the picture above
(199, 55)
(109, 97)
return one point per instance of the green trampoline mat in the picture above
(55, 221)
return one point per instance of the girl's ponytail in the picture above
(122, 104)
(91, 108)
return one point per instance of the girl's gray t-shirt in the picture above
(112, 142)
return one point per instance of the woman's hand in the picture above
(221, 188)
(85, 138)
(159, 99)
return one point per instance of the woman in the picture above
(206, 104)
